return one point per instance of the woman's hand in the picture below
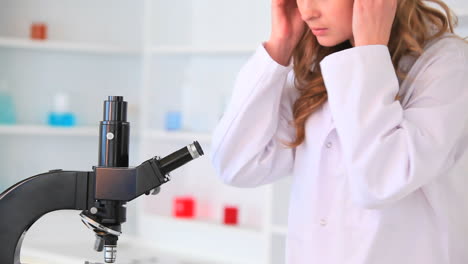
(286, 31)
(372, 21)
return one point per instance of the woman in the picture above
(370, 116)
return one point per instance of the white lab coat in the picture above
(376, 181)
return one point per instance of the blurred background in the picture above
(175, 63)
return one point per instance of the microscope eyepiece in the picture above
(198, 147)
(114, 133)
(115, 109)
(180, 157)
(115, 98)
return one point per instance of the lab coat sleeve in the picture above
(389, 151)
(245, 146)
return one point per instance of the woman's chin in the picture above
(328, 41)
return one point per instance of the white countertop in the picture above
(129, 251)
(61, 238)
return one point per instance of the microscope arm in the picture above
(25, 202)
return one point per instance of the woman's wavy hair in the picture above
(410, 31)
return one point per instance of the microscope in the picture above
(101, 194)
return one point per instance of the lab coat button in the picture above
(323, 222)
(329, 145)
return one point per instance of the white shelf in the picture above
(279, 230)
(177, 136)
(141, 29)
(129, 250)
(219, 227)
(54, 45)
(461, 12)
(65, 46)
(42, 130)
(45, 244)
(202, 51)
(37, 256)
(93, 131)
(241, 245)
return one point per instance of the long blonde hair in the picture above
(410, 31)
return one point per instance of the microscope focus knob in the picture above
(93, 210)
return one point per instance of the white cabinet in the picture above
(147, 51)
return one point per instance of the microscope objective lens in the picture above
(110, 254)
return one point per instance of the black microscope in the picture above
(101, 194)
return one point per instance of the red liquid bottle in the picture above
(39, 31)
(230, 215)
(184, 207)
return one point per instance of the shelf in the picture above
(203, 240)
(45, 243)
(197, 223)
(42, 130)
(37, 256)
(93, 131)
(65, 46)
(53, 45)
(461, 12)
(279, 230)
(177, 136)
(127, 48)
(202, 51)
(130, 250)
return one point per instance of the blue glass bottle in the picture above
(7, 107)
(60, 115)
(61, 119)
(173, 121)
